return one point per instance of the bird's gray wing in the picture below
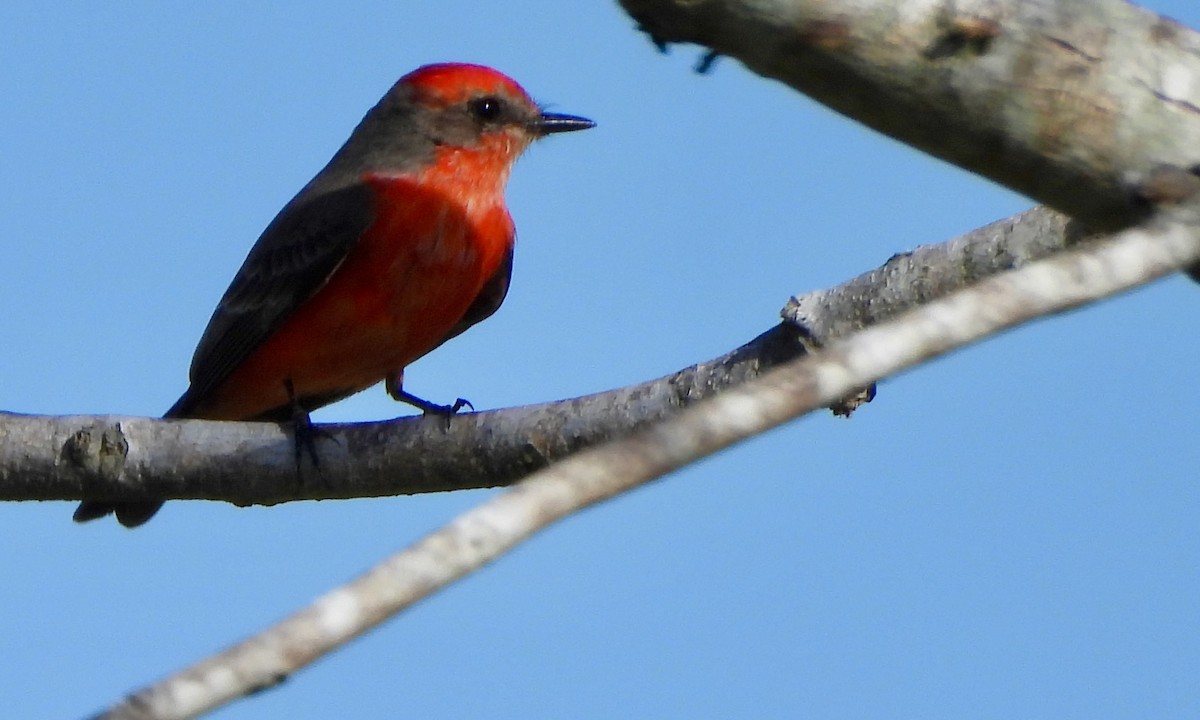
(292, 260)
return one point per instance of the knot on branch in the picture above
(98, 452)
(963, 35)
(1168, 185)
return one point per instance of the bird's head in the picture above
(478, 119)
(464, 103)
(454, 120)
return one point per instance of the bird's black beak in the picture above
(549, 123)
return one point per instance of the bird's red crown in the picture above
(451, 83)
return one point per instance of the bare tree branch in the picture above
(122, 458)
(1066, 101)
(476, 538)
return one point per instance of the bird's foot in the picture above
(395, 389)
(431, 408)
(305, 433)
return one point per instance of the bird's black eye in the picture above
(487, 108)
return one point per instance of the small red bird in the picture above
(400, 243)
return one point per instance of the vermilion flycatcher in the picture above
(400, 243)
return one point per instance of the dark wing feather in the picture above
(488, 301)
(292, 260)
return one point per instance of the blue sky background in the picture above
(1008, 532)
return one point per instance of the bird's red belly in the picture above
(402, 288)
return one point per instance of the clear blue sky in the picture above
(1010, 532)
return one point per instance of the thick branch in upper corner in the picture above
(1067, 101)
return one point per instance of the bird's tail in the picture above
(129, 514)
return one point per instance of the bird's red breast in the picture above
(434, 241)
